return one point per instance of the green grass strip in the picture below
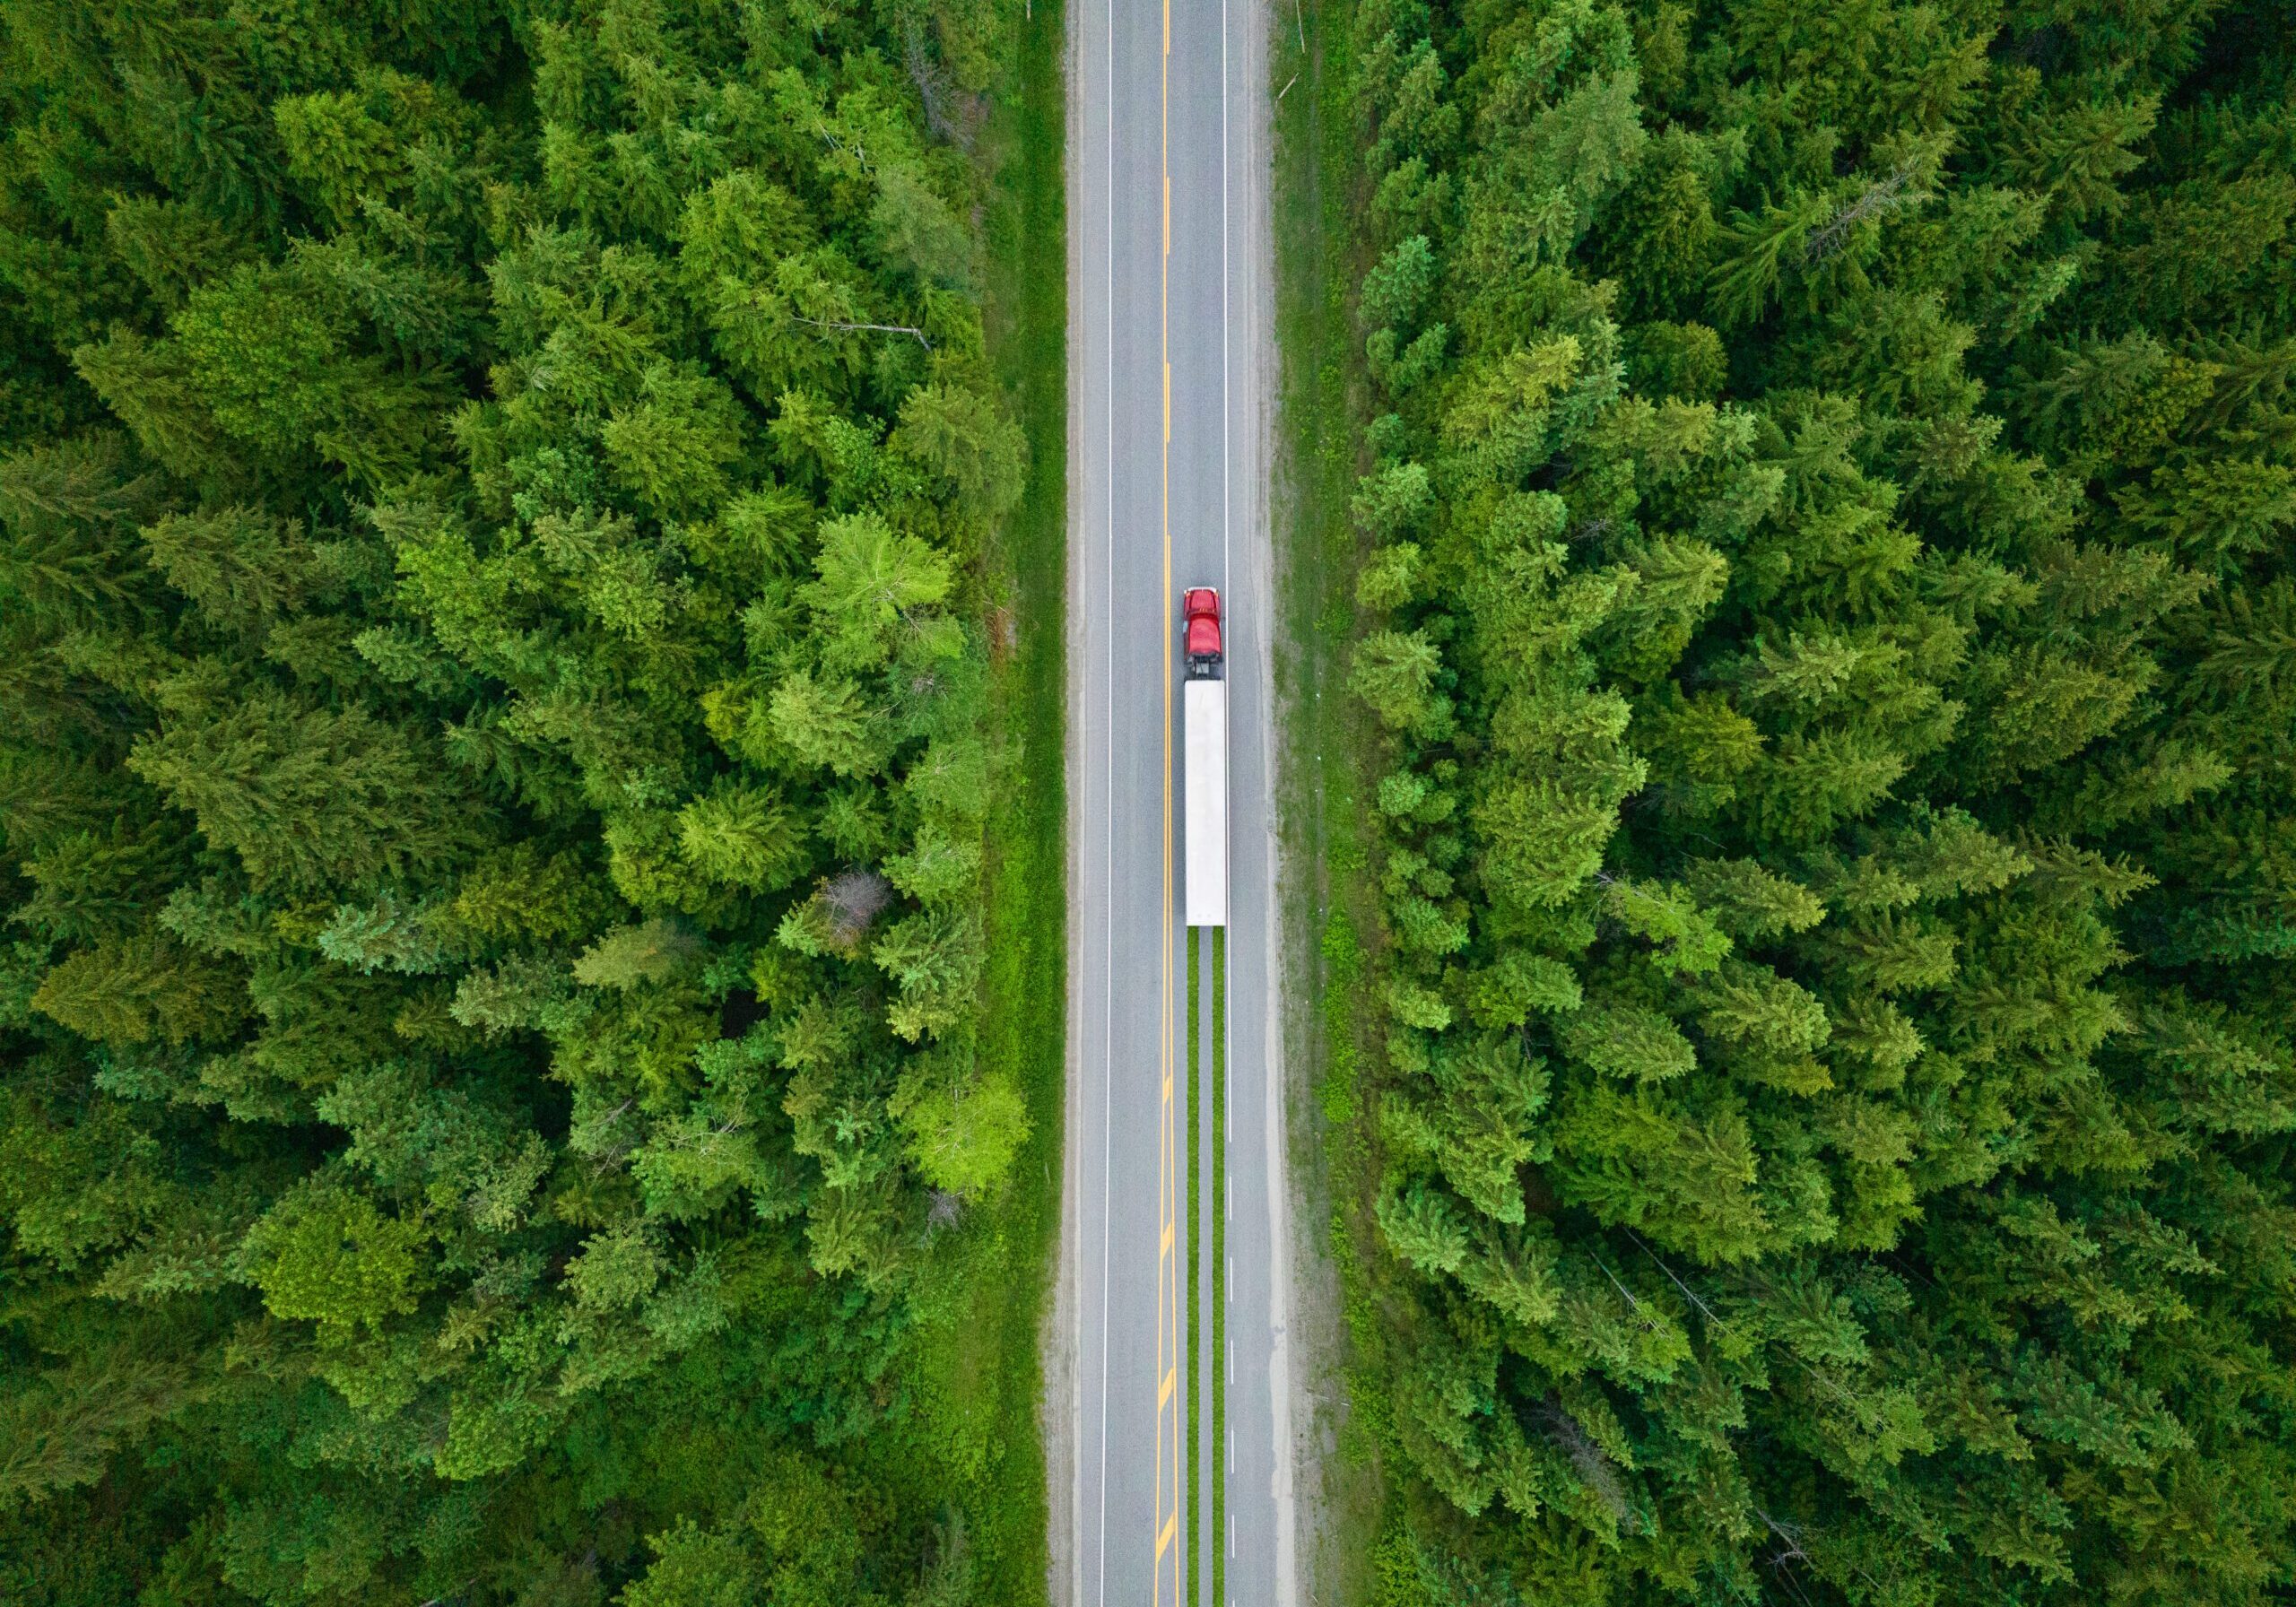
(1194, 1265)
(996, 1372)
(1219, 1266)
(1328, 754)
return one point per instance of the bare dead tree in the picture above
(851, 901)
(1592, 1464)
(840, 324)
(1789, 1552)
(1885, 193)
(950, 114)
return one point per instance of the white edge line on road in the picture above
(1108, 993)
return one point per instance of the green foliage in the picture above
(332, 1257)
(1828, 612)
(474, 571)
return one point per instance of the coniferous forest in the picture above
(492, 766)
(1831, 474)
(496, 735)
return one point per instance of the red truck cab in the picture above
(1200, 607)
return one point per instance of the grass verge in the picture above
(1219, 1266)
(984, 1377)
(1194, 1267)
(1325, 746)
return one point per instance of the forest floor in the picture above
(1329, 903)
(1026, 987)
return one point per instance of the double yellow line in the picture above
(1169, 1272)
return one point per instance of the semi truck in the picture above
(1204, 708)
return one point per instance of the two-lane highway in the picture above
(1169, 298)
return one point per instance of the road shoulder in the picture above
(1327, 908)
(1060, 1406)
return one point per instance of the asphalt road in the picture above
(1169, 377)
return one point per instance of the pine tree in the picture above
(305, 797)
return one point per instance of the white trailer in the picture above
(1204, 708)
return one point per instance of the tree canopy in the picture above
(492, 766)
(1829, 576)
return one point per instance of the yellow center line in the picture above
(1167, 1292)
